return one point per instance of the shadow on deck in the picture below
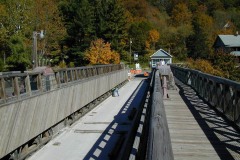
(111, 143)
(224, 138)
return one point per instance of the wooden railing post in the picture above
(2, 92)
(164, 86)
(58, 80)
(39, 83)
(71, 75)
(65, 75)
(28, 86)
(76, 77)
(16, 87)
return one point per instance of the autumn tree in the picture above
(101, 53)
(153, 38)
(181, 15)
(204, 66)
(47, 17)
(181, 19)
(227, 63)
(19, 18)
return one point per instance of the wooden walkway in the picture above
(197, 131)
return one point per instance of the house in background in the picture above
(159, 56)
(228, 44)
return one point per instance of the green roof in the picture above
(161, 54)
(230, 40)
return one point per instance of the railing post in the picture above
(65, 74)
(39, 83)
(76, 77)
(164, 87)
(28, 86)
(3, 93)
(237, 108)
(71, 75)
(58, 80)
(16, 87)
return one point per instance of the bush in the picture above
(205, 66)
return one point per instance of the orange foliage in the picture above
(100, 53)
(154, 35)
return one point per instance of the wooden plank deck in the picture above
(197, 131)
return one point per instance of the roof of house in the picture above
(235, 53)
(227, 41)
(161, 54)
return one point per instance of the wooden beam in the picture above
(159, 143)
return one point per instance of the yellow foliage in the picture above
(147, 44)
(153, 37)
(101, 53)
(204, 66)
(181, 15)
(62, 64)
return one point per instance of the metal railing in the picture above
(221, 93)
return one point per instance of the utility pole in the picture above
(130, 50)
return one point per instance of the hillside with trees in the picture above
(75, 30)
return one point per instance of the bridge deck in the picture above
(95, 134)
(197, 131)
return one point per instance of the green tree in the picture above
(19, 59)
(79, 20)
(111, 24)
(3, 36)
(19, 18)
(230, 3)
(201, 42)
(213, 5)
(139, 33)
(234, 14)
(15, 25)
